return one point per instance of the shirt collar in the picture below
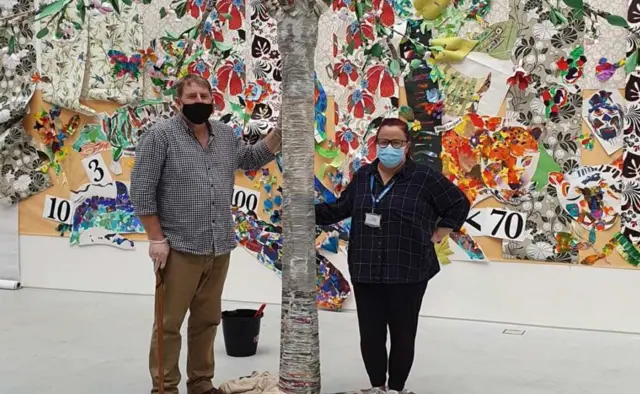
(184, 124)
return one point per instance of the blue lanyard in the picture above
(375, 200)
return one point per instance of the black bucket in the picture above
(241, 330)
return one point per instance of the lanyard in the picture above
(375, 200)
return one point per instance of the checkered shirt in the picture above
(400, 250)
(190, 187)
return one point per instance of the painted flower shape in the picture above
(257, 92)
(339, 4)
(210, 32)
(379, 78)
(234, 8)
(384, 10)
(360, 102)
(345, 71)
(231, 76)
(218, 100)
(201, 68)
(520, 79)
(196, 7)
(346, 138)
(356, 31)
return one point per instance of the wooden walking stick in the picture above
(160, 332)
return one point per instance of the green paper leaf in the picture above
(415, 63)
(222, 46)
(163, 12)
(350, 47)
(43, 32)
(115, 4)
(546, 164)
(181, 9)
(146, 1)
(394, 67)
(127, 2)
(327, 153)
(51, 9)
(631, 62)
(82, 11)
(227, 16)
(76, 25)
(376, 50)
(12, 44)
(615, 20)
(578, 4)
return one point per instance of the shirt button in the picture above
(211, 185)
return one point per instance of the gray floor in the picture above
(58, 342)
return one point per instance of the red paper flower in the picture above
(231, 75)
(339, 4)
(218, 100)
(346, 138)
(199, 67)
(379, 77)
(385, 8)
(371, 150)
(520, 79)
(345, 71)
(196, 7)
(210, 32)
(360, 102)
(354, 31)
(562, 64)
(235, 8)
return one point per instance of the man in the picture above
(181, 188)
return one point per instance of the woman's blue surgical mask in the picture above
(390, 156)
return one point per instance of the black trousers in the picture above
(397, 307)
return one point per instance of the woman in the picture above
(398, 210)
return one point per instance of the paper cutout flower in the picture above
(605, 70)
(570, 69)
(356, 31)
(520, 78)
(231, 75)
(200, 67)
(257, 92)
(233, 8)
(345, 71)
(360, 102)
(196, 7)
(347, 140)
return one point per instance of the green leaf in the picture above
(181, 9)
(127, 2)
(77, 26)
(631, 62)
(359, 9)
(115, 4)
(376, 50)
(42, 33)
(577, 4)
(163, 12)
(394, 67)
(222, 46)
(553, 17)
(615, 20)
(227, 16)
(51, 9)
(146, 1)
(12, 44)
(350, 47)
(82, 11)
(415, 63)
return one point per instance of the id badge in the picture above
(372, 220)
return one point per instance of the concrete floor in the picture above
(58, 342)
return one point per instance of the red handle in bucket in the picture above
(260, 310)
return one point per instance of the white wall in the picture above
(520, 293)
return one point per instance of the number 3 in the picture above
(94, 166)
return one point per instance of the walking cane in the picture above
(160, 332)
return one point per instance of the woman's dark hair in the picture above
(402, 125)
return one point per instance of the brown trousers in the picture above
(191, 283)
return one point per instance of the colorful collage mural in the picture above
(529, 106)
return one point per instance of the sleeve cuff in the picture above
(263, 152)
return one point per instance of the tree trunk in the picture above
(299, 342)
